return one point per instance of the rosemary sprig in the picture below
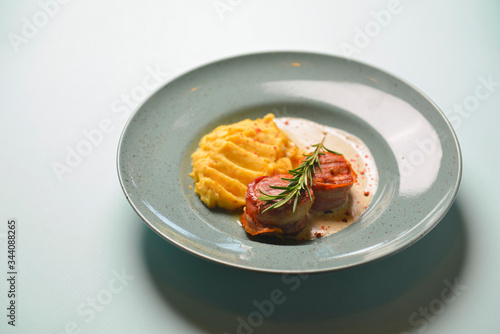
(301, 180)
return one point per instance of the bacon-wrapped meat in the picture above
(332, 183)
(280, 220)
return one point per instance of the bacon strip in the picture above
(332, 183)
(279, 221)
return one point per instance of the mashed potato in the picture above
(231, 156)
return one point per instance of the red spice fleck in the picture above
(362, 172)
(366, 156)
(366, 193)
(371, 232)
(365, 207)
(366, 164)
(352, 160)
(357, 146)
(275, 147)
(258, 130)
(318, 234)
(286, 123)
(357, 202)
(323, 228)
(357, 155)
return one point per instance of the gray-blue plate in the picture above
(415, 149)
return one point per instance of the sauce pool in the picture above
(305, 133)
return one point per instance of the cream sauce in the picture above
(305, 133)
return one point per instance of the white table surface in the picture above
(86, 263)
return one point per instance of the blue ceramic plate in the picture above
(415, 149)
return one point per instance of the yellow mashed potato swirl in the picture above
(231, 156)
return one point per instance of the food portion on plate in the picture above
(332, 180)
(232, 156)
(259, 217)
(294, 177)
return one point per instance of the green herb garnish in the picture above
(301, 180)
